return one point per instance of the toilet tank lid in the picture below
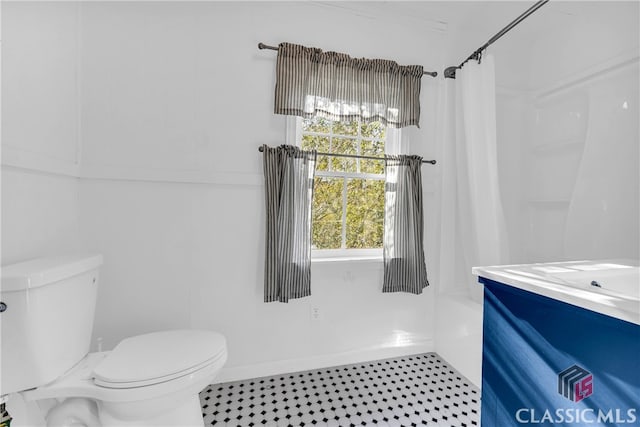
(43, 271)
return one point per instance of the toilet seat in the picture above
(158, 357)
(80, 381)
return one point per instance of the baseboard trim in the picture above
(239, 373)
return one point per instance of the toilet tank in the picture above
(46, 325)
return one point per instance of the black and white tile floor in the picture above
(405, 391)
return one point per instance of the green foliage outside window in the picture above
(348, 201)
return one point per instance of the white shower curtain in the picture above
(473, 230)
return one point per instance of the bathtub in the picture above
(609, 287)
(618, 280)
(458, 334)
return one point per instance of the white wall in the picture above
(40, 119)
(176, 99)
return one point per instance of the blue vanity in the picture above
(561, 344)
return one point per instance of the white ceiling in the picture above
(480, 20)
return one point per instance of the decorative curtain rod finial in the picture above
(450, 72)
(263, 46)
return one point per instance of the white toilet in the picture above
(147, 380)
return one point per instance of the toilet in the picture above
(152, 379)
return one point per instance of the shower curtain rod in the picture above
(264, 46)
(450, 72)
(355, 156)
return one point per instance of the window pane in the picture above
(327, 213)
(375, 149)
(343, 146)
(316, 124)
(373, 130)
(364, 210)
(320, 143)
(365, 213)
(348, 128)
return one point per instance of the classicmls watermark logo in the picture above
(575, 383)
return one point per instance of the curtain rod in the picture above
(450, 72)
(354, 156)
(262, 46)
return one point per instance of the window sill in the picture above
(349, 259)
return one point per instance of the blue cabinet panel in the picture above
(549, 363)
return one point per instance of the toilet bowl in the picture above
(146, 380)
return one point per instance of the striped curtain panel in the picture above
(288, 179)
(404, 265)
(310, 83)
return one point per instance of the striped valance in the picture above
(310, 82)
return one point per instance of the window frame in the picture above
(294, 137)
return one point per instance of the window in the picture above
(348, 201)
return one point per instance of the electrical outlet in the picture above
(316, 314)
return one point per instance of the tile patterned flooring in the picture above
(405, 391)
